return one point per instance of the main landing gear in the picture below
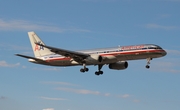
(99, 72)
(84, 69)
(148, 62)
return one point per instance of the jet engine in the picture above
(109, 59)
(101, 59)
(94, 58)
(119, 65)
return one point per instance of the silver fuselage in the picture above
(113, 55)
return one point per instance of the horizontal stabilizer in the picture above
(29, 57)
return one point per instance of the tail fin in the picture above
(38, 50)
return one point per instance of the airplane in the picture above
(115, 57)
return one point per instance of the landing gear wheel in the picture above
(98, 73)
(82, 70)
(147, 66)
(101, 72)
(87, 69)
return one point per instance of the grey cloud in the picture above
(124, 96)
(6, 46)
(55, 99)
(15, 25)
(49, 109)
(173, 52)
(169, 66)
(60, 83)
(5, 64)
(79, 91)
(2, 98)
(136, 101)
(157, 26)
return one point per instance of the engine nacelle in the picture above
(109, 59)
(119, 65)
(94, 58)
(101, 59)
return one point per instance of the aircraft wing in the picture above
(24, 56)
(77, 56)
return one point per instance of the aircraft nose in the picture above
(164, 53)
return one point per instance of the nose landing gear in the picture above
(148, 62)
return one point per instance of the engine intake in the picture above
(119, 65)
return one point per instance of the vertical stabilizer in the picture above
(38, 50)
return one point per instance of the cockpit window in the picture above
(151, 47)
(159, 47)
(154, 47)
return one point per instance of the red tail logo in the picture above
(38, 47)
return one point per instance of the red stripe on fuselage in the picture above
(59, 59)
(107, 54)
(133, 52)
